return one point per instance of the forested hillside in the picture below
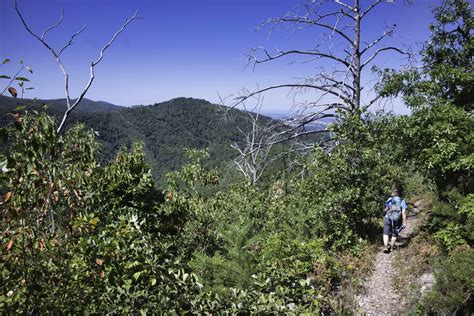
(166, 129)
(84, 234)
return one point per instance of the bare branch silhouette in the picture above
(70, 104)
(341, 55)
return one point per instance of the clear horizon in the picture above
(179, 49)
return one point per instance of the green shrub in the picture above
(453, 292)
(80, 237)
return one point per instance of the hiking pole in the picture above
(400, 230)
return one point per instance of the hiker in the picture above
(394, 220)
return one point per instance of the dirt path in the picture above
(381, 297)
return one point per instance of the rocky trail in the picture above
(381, 296)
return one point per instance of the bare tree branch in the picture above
(298, 52)
(92, 74)
(373, 5)
(383, 49)
(315, 23)
(296, 85)
(72, 39)
(25, 25)
(386, 33)
(286, 130)
(126, 23)
(57, 55)
(337, 82)
(253, 156)
(371, 102)
(344, 5)
(318, 17)
(52, 26)
(297, 135)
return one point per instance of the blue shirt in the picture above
(389, 202)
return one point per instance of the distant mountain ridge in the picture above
(58, 105)
(165, 128)
(88, 105)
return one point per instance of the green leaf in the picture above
(20, 107)
(153, 281)
(4, 77)
(6, 60)
(22, 79)
(304, 282)
(29, 69)
(128, 284)
(136, 275)
(29, 88)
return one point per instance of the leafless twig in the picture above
(70, 104)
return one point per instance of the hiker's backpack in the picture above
(394, 212)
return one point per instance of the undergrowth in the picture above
(355, 269)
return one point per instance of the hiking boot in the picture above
(387, 249)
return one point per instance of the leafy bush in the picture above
(453, 292)
(81, 237)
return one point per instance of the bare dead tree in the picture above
(71, 104)
(260, 136)
(253, 154)
(340, 53)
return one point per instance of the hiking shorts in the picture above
(389, 228)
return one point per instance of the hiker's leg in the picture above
(394, 239)
(386, 231)
(395, 231)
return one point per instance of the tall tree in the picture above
(440, 94)
(448, 56)
(340, 53)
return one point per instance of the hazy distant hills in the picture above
(57, 105)
(166, 129)
(86, 105)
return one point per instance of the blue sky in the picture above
(192, 48)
